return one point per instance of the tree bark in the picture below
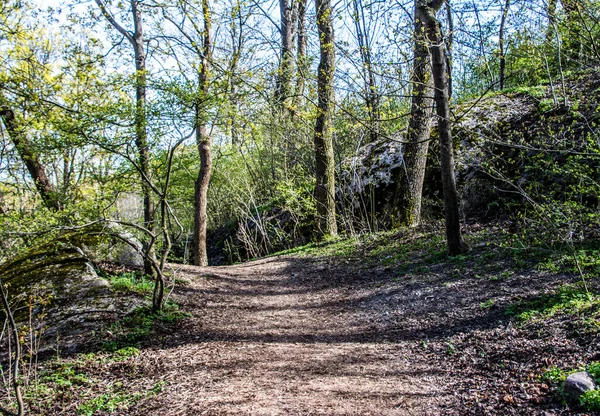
(136, 39)
(323, 138)
(289, 17)
(203, 142)
(370, 88)
(501, 44)
(410, 180)
(31, 159)
(141, 136)
(236, 43)
(449, 46)
(456, 244)
(302, 57)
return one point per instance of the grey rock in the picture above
(577, 384)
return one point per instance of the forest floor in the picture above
(387, 325)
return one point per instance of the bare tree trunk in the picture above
(236, 42)
(302, 58)
(449, 46)
(501, 44)
(203, 142)
(323, 139)
(428, 10)
(141, 137)
(289, 17)
(410, 181)
(371, 96)
(136, 39)
(31, 160)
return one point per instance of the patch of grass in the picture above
(63, 380)
(108, 402)
(487, 304)
(116, 398)
(129, 282)
(568, 300)
(137, 326)
(564, 259)
(65, 375)
(537, 91)
(338, 247)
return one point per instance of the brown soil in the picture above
(296, 336)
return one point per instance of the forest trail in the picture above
(272, 337)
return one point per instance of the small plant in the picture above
(487, 304)
(108, 402)
(545, 105)
(131, 282)
(131, 330)
(450, 348)
(590, 400)
(554, 375)
(594, 370)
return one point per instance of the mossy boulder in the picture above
(54, 289)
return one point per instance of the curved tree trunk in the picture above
(323, 139)
(407, 204)
(428, 10)
(203, 142)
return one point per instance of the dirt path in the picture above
(309, 336)
(272, 338)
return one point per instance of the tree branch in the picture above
(113, 22)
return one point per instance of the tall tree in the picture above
(323, 138)
(428, 11)
(136, 39)
(505, 10)
(370, 88)
(302, 57)
(288, 10)
(203, 141)
(410, 181)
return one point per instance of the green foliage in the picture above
(77, 378)
(594, 370)
(136, 327)
(65, 375)
(545, 105)
(135, 282)
(554, 375)
(590, 400)
(108, 402)
(586, 258)
(568, 299)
